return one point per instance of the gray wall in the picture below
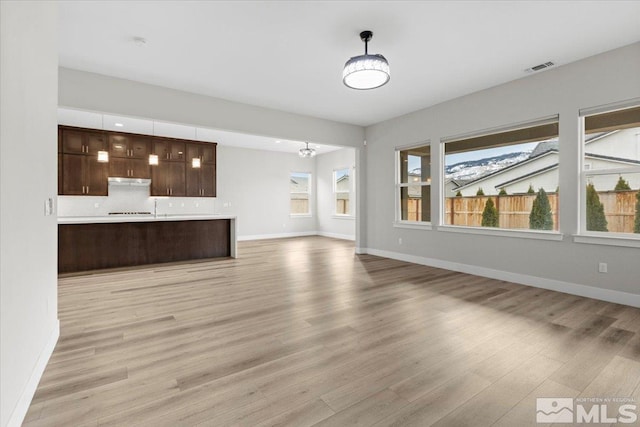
(89, 91)
(28, 248)
(606, 78)
(328, 223)
(254, 186)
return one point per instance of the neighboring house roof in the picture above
(342, 178)
(529, 175)
(612, 158)
(555, 165)
(508, 168)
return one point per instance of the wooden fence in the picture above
(514, 210)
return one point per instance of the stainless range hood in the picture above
(130, 182)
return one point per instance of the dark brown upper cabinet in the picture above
(201, 176)
(168, 179)
(80, 141)
(204, 151)
(80, 173)
(83, 175)
(123, 167)
(130, 146)
(169, 149)
(129, 155)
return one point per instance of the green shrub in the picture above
(480, 192)
(490, 214)
(459, 193)
(531, 190)
(540, 217)
(636, 225)
(596, 220)
(622, 185)
(502, 192)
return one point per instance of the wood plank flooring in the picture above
(303, 332)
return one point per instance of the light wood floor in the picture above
(303, 332)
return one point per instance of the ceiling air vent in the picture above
(540, 67)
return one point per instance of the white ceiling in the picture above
(289, 55)
(94, 120)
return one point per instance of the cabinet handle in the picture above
(167, 191)
(83, 187)
(87, 189)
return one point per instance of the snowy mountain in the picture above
(474, 169)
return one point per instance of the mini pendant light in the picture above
(366, 71)
(307, 152)
(103, 156)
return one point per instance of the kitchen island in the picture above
(92, 243)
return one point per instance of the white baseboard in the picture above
(336, 235)
(21, 408)
(609, 295)
(277, 235)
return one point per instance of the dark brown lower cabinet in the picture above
(84, 247)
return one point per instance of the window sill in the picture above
(413, 225)
(300, 216)
(521, 234)
(335, 216)
(609, 239)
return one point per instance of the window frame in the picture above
(497, 231)
(398, 221)
(309, 193)
(591, 236)
(350, 192)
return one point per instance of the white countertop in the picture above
(138, 218)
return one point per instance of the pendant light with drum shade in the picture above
(367, 71)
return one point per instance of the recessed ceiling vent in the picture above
(540, 67)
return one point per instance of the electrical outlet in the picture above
(170, 204)
(182, 205)
(602, 267)
(96, 205)
(399, 240)
(197, 204)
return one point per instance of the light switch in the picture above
(48, 207)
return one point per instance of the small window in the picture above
(342, 185)
(507, 179)
(300, 192)
(413, 184)
(611, 172)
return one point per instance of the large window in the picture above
(300, 191)
(413, 183)
(506, 179)
(342, 186)
(611, 171)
